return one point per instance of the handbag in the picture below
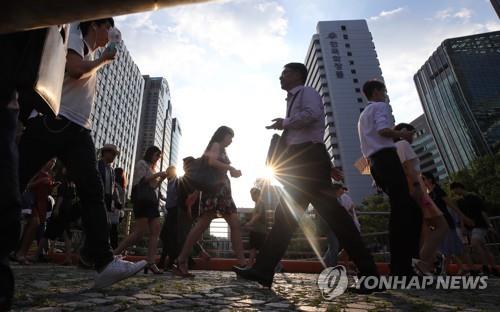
(200, 175)
(143, 194)
(41, 69)
(276, 150)
(277, 146)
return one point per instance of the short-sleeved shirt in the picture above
(406, 153)
(438, 195)
(472, 206)
(142, 170)
(77, 98)
(260, 225)
(375, 117)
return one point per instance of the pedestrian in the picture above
(473, 207)
(216, 204)
(108, 154)
(452, 246)
(304, 169)
(376, 134)
(119, 201)
(256, 226)
(41, 185)
(146, 212)
(169, 232)
(434, 226)
(68, 138)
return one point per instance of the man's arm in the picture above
(79, 68)
(310, 111)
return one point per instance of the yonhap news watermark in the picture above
(333, 282)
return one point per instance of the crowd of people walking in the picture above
(56, 155)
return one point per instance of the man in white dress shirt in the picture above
(305, 174)
(377, 145)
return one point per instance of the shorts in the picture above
(257, 240)
(479, 234)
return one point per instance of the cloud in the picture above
(222, 61)
(463, 14)
(386, 14)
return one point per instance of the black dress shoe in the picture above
(253, 275)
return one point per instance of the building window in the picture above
(351, 62)
(346, 37)
(358, 90)
(349, 53)
(347, 45)
(361, 109)
(353, 71)
(355, 80)
(360, 100)
(343, 27)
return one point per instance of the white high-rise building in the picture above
(340, 58)
(117, 109)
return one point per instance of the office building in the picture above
(175, 143)
(117, 108)
(156, 121)
(340, 58)
(460, 94)
(426, 149)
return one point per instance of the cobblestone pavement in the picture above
(59, 288)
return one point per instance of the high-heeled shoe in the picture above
(180, 268)
(153, 268)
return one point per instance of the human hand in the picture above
(278, 124)
(235, 173)
(108, 54)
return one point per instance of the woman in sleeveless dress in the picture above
(218, 204)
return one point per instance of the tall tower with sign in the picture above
(340, 58)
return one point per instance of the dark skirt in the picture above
(146, 211)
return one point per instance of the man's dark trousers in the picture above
(406, 217)
(48, 137)
(305, 173)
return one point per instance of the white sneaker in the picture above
(116, 271)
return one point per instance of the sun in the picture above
(268, 173)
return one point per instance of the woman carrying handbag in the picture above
(145, 205)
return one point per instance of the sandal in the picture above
(180, 268)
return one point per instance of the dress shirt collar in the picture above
(293, 91)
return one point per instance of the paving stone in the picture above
(78, 304)
(93, 295)
(146, 297)
(193, 296)
(214, 295)
(252, 301)
(99, 300)
(170, 296)
(361, 305)
(48, 309)
(122, 298)
(144, 302)
(277, 305)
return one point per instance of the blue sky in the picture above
(223, 58)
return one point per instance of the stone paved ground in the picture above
(58, 288)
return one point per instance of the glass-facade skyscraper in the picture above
(459, 88)
(117, 108)
(426, 149)
(156, 121)
(340, 58)
(175, 143)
